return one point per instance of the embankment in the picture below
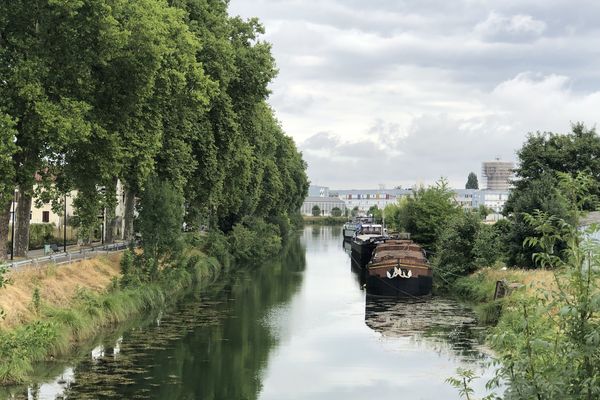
(325, 220)
(50, 310)
(479, 287)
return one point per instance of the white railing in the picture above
(68, 257)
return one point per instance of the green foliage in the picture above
(217, 245)
(472, 182)
(488, 246)
(36, 300)
(254, 240)
(539, 194)
(454, 251)
(549, 345)
(354, 212)
(462, 383)
(336, 212)
(427, 212)
(40, 234)
(160, 220)
(376, 213)
(316, 211)
(557, 174)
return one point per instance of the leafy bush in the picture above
(316, 211)
(254, 240)
(40, 234)
(454, 251)
(336, 212)
(487, 248)
(216, 245)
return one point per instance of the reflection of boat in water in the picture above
(441, 323)
(399, 268)
(364, 241)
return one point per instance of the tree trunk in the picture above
(111, 223)
(4, 228)
(111, 215)
(23, 219)
(129, 209)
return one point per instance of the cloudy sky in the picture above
(400, 92)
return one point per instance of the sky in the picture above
(400, 92)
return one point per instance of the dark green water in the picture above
(296, 328)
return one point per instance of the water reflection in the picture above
(444, 325)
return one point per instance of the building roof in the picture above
(323, 199)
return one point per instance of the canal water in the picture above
(300, 327)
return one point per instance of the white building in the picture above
(325, 204)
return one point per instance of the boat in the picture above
(366, 237)
(349, 229)
(351, 226)
(399, 268)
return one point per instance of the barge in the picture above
(365, 239)
(399, 268)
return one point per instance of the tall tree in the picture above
(7, 174)
(472, 182)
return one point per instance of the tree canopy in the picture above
(100, 91)
(472, 182)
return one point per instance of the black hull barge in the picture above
(399, 268)
(365, 239)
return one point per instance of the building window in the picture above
(46, 216)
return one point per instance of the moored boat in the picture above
(366, 237)
(349, 229)
(399, 268)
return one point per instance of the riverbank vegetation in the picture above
(167, 99)
(546, 331)
(328, 220)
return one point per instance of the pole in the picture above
(65, 226)
(12, 241)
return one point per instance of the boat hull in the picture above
(420, 286)
(361, 252)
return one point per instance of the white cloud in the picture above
(498, 27)
(415, 90)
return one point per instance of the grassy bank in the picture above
(478, 289)
(49, 311)
(325, 220)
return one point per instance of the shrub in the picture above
(336, 212)
(454, 249)
(40, 234)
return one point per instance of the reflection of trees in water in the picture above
(212, 346)
(444, 325)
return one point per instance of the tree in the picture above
(375, 212)
(543, 161)
(427, 211)
(472, 182)
(336, 212)
(454, 249)
(160, 219)
(354, 212)
(7, 173)
(316, 211)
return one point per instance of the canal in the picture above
(299, 327)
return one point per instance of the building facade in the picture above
(325, 204)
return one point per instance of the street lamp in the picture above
(65, 226)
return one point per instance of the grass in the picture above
(90, 301)
(479, 287)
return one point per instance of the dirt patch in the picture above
(57, 285)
